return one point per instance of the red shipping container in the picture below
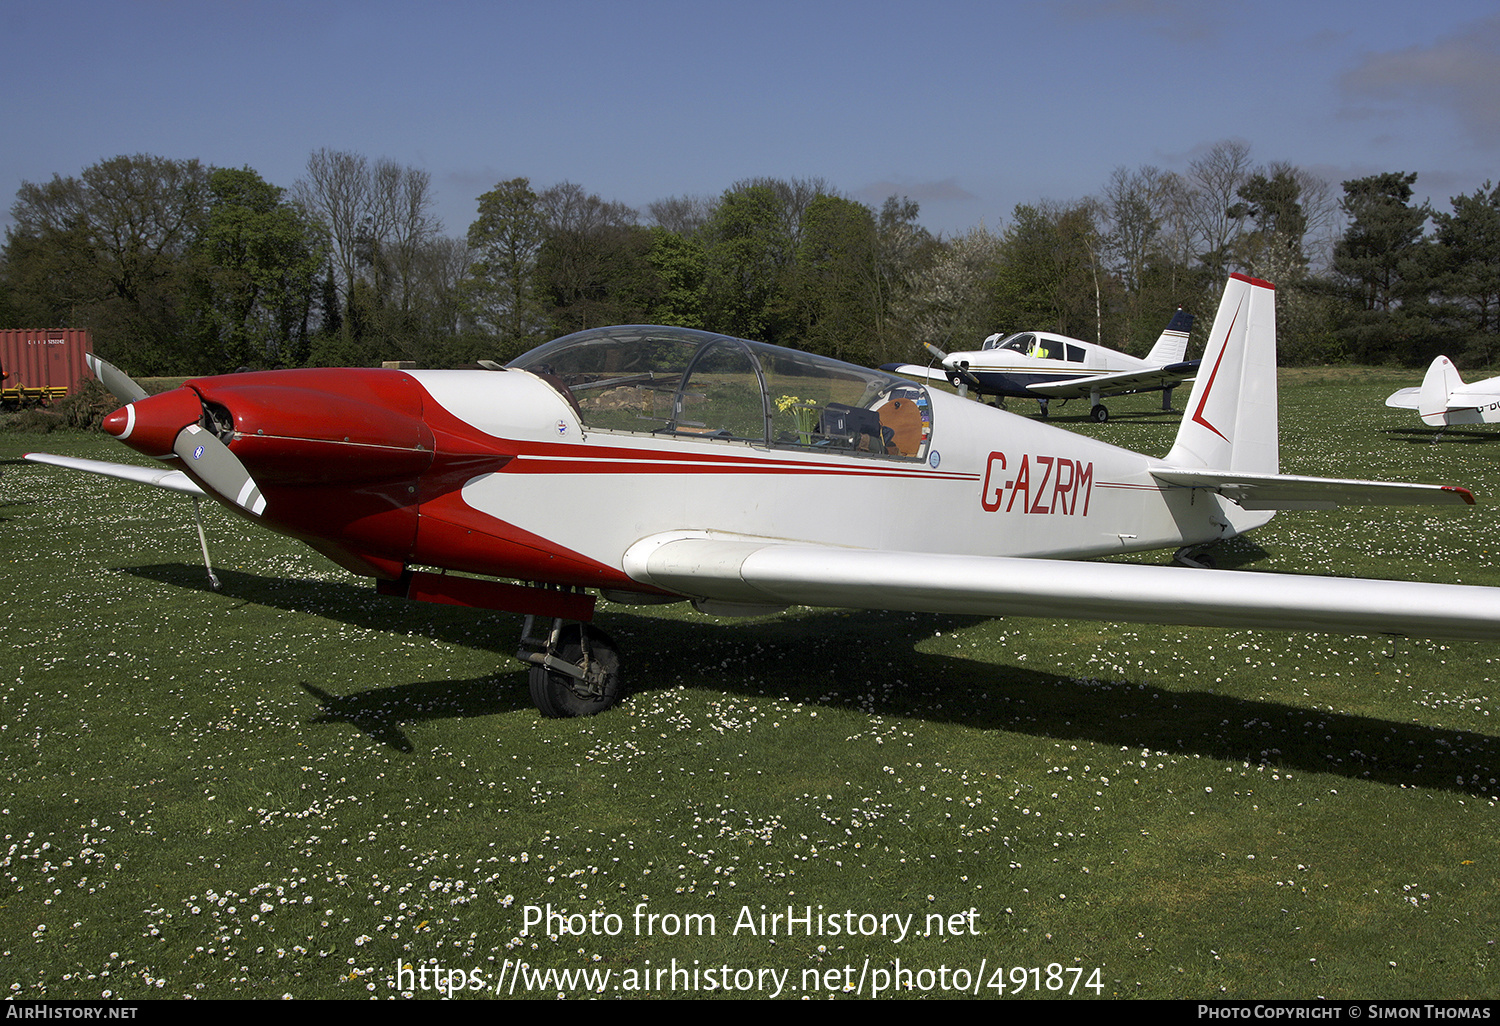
(43, 363)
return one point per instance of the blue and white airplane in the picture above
(1043, 366)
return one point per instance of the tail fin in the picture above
(1432, 401)
(1171, 346)
(1230, 422)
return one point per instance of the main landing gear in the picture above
(575, 670)
(1100, 413)
(1196, 556)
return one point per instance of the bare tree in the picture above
(1134, 210)
(1320, 205)
(682, 215)
(1214, 181)
(401, 224)
(337, 191)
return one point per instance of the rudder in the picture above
(1171, 345)
(1231, 418)
(1438, 384)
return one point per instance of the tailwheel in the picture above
(577, 674)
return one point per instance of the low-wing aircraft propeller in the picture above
(957, 373)
(653, 464)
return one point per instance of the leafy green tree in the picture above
(679, 288)
(1379, 253)
(592, 266)
(501, 290)
(1468, 266)
(106, 251)
(1270, 201)
(904, 249)
(836, 281)
(1385, 267)
(1048, 277)
(257, 263)
(749, 252)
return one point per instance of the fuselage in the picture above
(550, 474)
(1009, 366)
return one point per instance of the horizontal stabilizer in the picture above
(160, 477)
(767, 572)
(1284, 491)
(1405, 399)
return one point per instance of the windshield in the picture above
(683, 383)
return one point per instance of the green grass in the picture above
(289, 785)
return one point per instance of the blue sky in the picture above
(968, 108)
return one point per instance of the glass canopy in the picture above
(681, 383)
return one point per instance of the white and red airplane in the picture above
(1443, 398)
(657, 464)
(1043, 366)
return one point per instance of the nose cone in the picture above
(150, 425)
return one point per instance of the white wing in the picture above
(1119, 382)
(764, 572)
(160, 477)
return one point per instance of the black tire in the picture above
(560, 695)
(1100, 414)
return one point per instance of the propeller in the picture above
(201, 450)
(220, 469)
(958, 374)
(120, 384)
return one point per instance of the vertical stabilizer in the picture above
(1432, 402)
(1230, 421)
(1171, 346)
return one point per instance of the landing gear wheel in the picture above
(1195, 556)
(1100, 414)
(558, 694)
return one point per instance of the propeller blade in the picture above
(935, 351)
(221, 469)
(117, 381)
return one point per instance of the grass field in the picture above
(294, 787)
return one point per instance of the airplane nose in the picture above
(151, 425)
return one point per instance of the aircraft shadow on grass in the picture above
(1450, 435)
(1167, 419)
(848, 660)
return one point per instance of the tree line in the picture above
(181, 268)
